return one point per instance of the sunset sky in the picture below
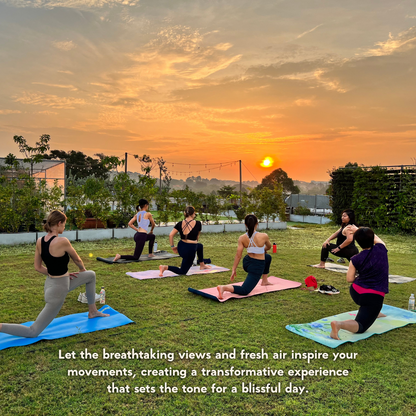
(312, 84)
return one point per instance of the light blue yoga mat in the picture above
(319, 330)
(67, 326)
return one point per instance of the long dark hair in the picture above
(250, 221)
(351, 215)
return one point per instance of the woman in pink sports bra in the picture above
(143, 219)
(256, 263)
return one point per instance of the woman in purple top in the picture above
(370, 286)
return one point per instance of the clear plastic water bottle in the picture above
(411, 302)
(102, 295)
(155, 247)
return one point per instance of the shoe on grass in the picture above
(341, 260)
(328, 289)
(83, 298)
(329, 260)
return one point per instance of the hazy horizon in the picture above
(313, 85)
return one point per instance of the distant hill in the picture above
(198, 184)
(312, 187)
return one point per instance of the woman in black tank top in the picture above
(345, 246)
(58, 282)
(189, 230)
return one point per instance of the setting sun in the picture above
(267, 162)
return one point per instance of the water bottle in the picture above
(102, 295)
(411, 302)
(155, 247)
(274, 248)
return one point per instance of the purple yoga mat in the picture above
(154, 274)
(278, 284)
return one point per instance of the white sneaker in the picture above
(83, 298)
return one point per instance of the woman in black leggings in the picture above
(143, 219)
(189, 230)
(345, 246)
(371, 284)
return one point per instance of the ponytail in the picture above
(189, 211)
(142, 203)
(250, 221)
(54, 218)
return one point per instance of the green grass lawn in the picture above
(34, 381)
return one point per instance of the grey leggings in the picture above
(56, 289)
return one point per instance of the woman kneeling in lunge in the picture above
(189, 230)
(55, 252)
(143, 219)
(256, 263)
(370, 286)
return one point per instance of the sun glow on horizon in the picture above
(267, 162)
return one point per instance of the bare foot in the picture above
(204, 266)
(319, 266)
(162, 269)
(117, 257)
(336, 326)
(381, 315)
(266, 283)
(150, 255)
(220, 292)
(97, 314)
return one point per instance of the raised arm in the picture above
(378, 240)
(39, 267)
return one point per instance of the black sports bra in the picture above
(57, 266)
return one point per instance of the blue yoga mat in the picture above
(67, 326)
(319, 330)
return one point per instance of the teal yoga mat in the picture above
(67, 326)
(319, 330)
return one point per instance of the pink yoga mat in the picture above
(154, 274)
(278, 284)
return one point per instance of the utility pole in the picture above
(241, 184)
(160, 179)
(125, 162)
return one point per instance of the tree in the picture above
(226, 191)
(32, 154)
(81, 166)
(279, 176)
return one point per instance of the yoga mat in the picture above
(393, 278)
(67, 326)
(278, 284)
(154, 274)
(159, 255)
(319, 330)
